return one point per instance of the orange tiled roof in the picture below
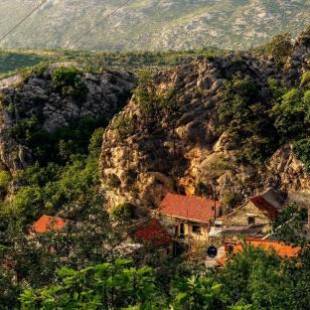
(48, 223)
(193, 208)
(154, 233)
(280, 248)
(262, 204)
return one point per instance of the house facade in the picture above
(252, 219)
(189, 218)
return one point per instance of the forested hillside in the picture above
(96, 146)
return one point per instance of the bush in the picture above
(305, 79)
(123, 212)
(230, 199)
(245, 87)
(124, 125)
(290, 116)
(116, 285)
(154, 105)
(306, 99)
(95, 142)
(281, 47)
(5, 179)
(302, 150)
(68, 80)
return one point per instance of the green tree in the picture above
(105, 286)
(197, 292)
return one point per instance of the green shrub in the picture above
(124, 125)
(95, 142)
(281, 47)
(123, 212)
(302, 150)
(65, 76)
(245, 87)
(68, 80)
(290, 115)
(230, 199)
(305, 79)
(153, 105)
(5, 178)
(117, 285)
(306, 98)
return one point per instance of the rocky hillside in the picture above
(37, 106)
(217, 126)
(154, 24)
(223, 125)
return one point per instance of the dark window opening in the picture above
(251, 220)
(196, 229)
(176, 231)
(181, 230)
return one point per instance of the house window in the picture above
(182, 230)
(196, 229)
(176, 231)
(251, 220)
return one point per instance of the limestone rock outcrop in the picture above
(37, 100)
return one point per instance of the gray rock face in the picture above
(39, 99)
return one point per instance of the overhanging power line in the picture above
(11, 30)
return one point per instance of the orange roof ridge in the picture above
(282, 249)
(192, 208)
(48, 223)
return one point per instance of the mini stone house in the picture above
(253, 218)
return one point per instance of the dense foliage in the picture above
(252, 279)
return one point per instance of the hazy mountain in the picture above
(151, 24)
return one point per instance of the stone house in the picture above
(252, 219)
(189, 217)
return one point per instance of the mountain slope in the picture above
(154, 24)
(211, 127)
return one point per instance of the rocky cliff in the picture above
(40, 103)
(208, 130)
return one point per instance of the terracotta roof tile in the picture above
(48, 223)
(193, 208)
(281, 249)
(154, 233)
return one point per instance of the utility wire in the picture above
(111, 14)
(22, 20)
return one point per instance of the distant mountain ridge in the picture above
(151, 25)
